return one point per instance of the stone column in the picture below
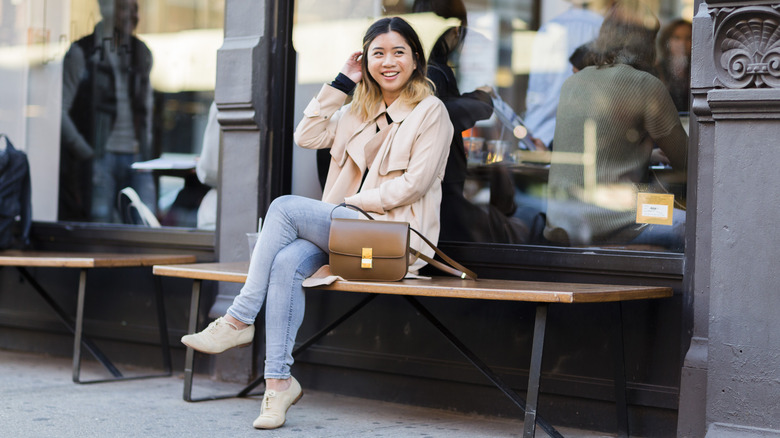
(254, 68)
(240, 96)
(693, 384)
(737, 286)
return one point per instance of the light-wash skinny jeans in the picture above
(292, 245)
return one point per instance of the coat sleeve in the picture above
(317, 129)
(469, 108)
(428, 157)
(72, 67)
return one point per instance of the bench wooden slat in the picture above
(84, 261)
(505, 290)
(486, 289)
(52, 259)
(234, 272)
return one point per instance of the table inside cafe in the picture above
(529, 169)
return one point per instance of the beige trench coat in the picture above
(404, 180)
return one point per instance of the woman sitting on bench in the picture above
(386, 167)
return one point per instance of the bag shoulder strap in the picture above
(453, 268)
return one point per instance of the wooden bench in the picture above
(84, 262)
(541, 293)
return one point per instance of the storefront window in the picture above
(570, 132)
(127, 81)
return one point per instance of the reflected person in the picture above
(610, 117)
(674, 61)
(464, 111)
(106, 116)
(207, 170)
(466, 221)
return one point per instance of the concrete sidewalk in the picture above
(40, 400)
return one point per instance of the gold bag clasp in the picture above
(366, 262)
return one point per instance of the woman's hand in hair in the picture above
(353, 68)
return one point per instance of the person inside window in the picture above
(106, 117)
(388, 151)
(581, 58)
(464, 111)
(555, 42)
(610, 117)
(674, 61)
(207, 170)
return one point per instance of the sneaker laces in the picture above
(267, 399)
(214, 326)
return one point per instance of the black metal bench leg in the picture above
(189, 357)
(78, 332)
(621, 403)
(162, 326)
(79, 339)
(484, 369)
(535, 371)
(69, 323)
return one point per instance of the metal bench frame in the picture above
(540, 293)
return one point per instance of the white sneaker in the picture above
(275, 405)
(219, 336)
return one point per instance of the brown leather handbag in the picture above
(379, 250)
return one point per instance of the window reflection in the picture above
(500, 74)
(138, 80)
(674, 61)
(106, 116)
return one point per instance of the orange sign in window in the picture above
(654, 208)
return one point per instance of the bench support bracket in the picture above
(247, 390)
(80, 340)
(529, 408)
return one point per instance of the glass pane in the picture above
(137, 83)
(609, 173)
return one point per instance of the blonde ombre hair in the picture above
(368, 94)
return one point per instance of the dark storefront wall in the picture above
(120, 311)
(400, 357)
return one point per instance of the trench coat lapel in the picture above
(366, 132)
(398, 111)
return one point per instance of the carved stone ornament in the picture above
(747, 47)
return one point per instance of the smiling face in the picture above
(390, 62)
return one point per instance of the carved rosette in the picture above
(747, 47)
